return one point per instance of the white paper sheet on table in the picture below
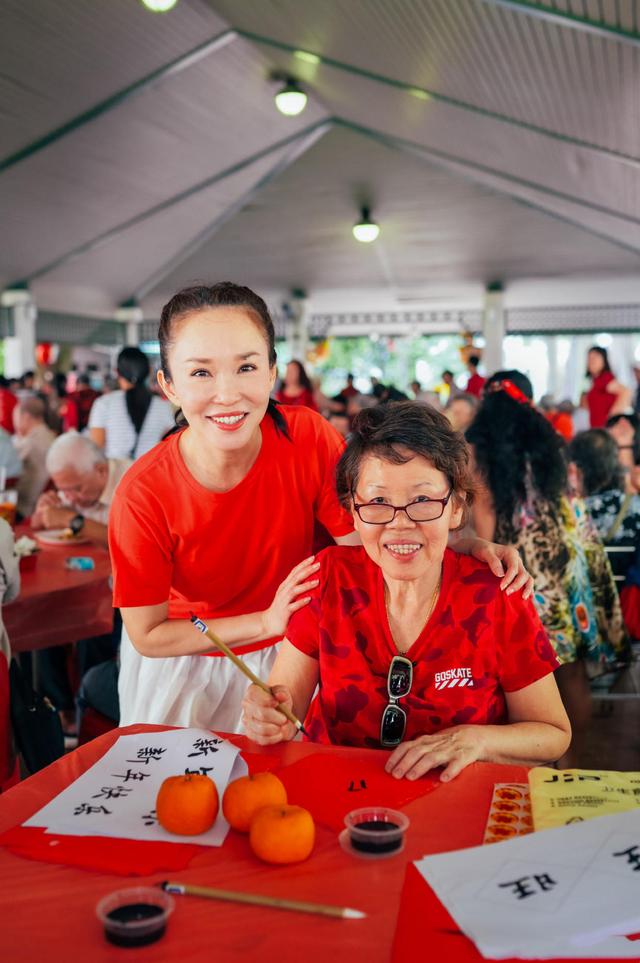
(581, 885)
(117, 796)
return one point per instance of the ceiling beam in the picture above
(564, 18)
(114, 232)
(193, 56)
(183, 62)
(478, 168)
(425, 151)
(299, 146)
(439, 159)
(437, 97)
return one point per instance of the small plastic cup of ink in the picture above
(374, 832)
(136, 916)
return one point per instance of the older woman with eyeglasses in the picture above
(414, 647)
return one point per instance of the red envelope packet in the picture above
(330, 786)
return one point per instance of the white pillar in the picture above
(554, 384)
(20, 349)
(297, 331)
(131, 316)
(494, 330)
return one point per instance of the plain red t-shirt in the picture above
(478, 644)
(8, 401)
(304, 397)
(224, 554)
(600, 400)
(475, 384)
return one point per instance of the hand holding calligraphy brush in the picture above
(202, 627)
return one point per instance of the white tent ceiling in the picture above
(496, 140)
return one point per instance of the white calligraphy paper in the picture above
(117, 796)
(576, 885)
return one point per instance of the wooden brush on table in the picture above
(258, 899)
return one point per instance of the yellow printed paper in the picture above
(563, 796)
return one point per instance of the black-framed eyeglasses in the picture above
(394, 718)
(381, 513)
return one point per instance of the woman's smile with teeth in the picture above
(404, 548)
(227, 419)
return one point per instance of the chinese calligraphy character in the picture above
(523, 887)
(354, 788)
(204, 746)
(146, 754)
(633, 857)
(150, 818)
(86, 810)
(131, 774)
(569, 777)
(202, 771)
(112, 792)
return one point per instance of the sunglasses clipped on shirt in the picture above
(394, 718)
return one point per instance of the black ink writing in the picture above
(633, 857)
(146, 754)
(359, 788)
(84, 809)
(112, 792)
(150, 818)
(523, 887)
(204, 746)
(131, 775)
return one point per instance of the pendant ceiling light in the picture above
(159, 6)
(365, 230)
(290, 99)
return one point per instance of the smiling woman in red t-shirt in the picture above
(412, 646)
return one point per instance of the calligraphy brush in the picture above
(202, 627)
(258, 899)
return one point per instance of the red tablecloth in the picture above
(51, 911)
(50, 914)
(57, 605)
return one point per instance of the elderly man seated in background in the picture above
(32, 441)
(85, 480)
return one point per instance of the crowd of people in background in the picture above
(560, 494)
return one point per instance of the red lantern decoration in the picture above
(46, 353)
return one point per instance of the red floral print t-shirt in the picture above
(478, 644)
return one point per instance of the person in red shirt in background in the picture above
(558, 415)
(606, 396)
(218, 519)
(83, 398)
(414, 648)
(296, 387)
(475, 384)
(8, 401)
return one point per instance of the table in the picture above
(51, 911)
(58, 605)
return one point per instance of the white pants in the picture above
(186, 690)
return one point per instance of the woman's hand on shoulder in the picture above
(453, 748)
(286, 601)
(261, 719)
(505, 562)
